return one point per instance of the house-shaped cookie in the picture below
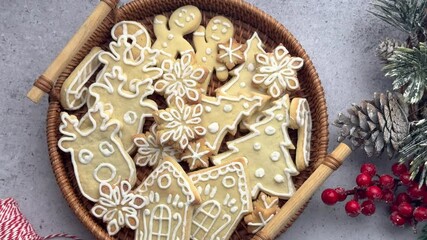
(226, 199)
(170, 198)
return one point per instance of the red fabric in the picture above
(14, 226)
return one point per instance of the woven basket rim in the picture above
(261, 21)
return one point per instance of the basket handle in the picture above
(284, 217)
(46, 81)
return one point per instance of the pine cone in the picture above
(376, 125)
(386, 48)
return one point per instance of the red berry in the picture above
(402, 197)
(368, 168)
(364, 180)
(396, 219)
(398, 169)
(415, 192)
(352, 208)
(405, 178)
(405, 209)
(393, 208)
(368, 208)
(420, 214)
(374, 192)
(388, 196)
(341, 193)
(329, 196)
(387, 181)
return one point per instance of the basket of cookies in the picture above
(186, 119)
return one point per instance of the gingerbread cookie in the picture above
(118, 206)
(270, 166)
(218, 30)
(74, 91)
(181, 78)
(171, 198)
(197, 155)
(96, 151)
(277, 71)
(223, 114)
(179, 124)
(226, 199)
(300, 118)
(134, 32)
(231, 53)
(150, 151)
(265, 208)
(171, 41)
(131, 107)
(136, 67)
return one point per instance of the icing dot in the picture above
(280, 117)
(188, 19)
(224, 30)
(274, 156)
(270, 130)
(180, 205)
(251, 67)
(170, 36)
(257, 146)
(228, 108)
(165, 44)
(204, 59)
(208, 51)
(228, 182)
(234, 209)
(242, 84)
(246, 105)
(85, 156)
(214, 27)
(259, 173)
(213, 127)
(279, 178)
(130, 117)
(208, 109)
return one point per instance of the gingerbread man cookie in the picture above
(270, 167)
(171, 201)
(218, 30)
(96, 151)
(171, 41)
(226, 199)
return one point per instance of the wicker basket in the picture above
(246, 19)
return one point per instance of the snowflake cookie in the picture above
(277, 71)
(197, 155)
(118, 206)
(265, 208)
(179, 124)
(150, 151)
(181, 78)
(231, 53)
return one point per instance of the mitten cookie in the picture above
(96, 151)
(226, 199)
(265, 208)
(270, 166)
(218, 30)
(171, 201)
(171, 41)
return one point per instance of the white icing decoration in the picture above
(275, 156)
(208, 51)
(204, 59)
(242, 84)
(164, 181)
(279, 178)
(257, 146)
(101, 166)
(246, 105)
(130, 117)
(260, 172)
(280, 117)
(196, 155)
(251, 67)
(230, 52)
(270, 130)
(208, 109)
(170, 36)
(213, 127)
(228, 108)
(85, 156)
(106, 148)
(228, 182)
(165, 44)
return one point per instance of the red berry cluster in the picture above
(407, 207)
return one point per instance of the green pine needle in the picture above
(414, 151)
(405, 15)
(423, 235)
(408, 67)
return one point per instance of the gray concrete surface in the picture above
(339, 35)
